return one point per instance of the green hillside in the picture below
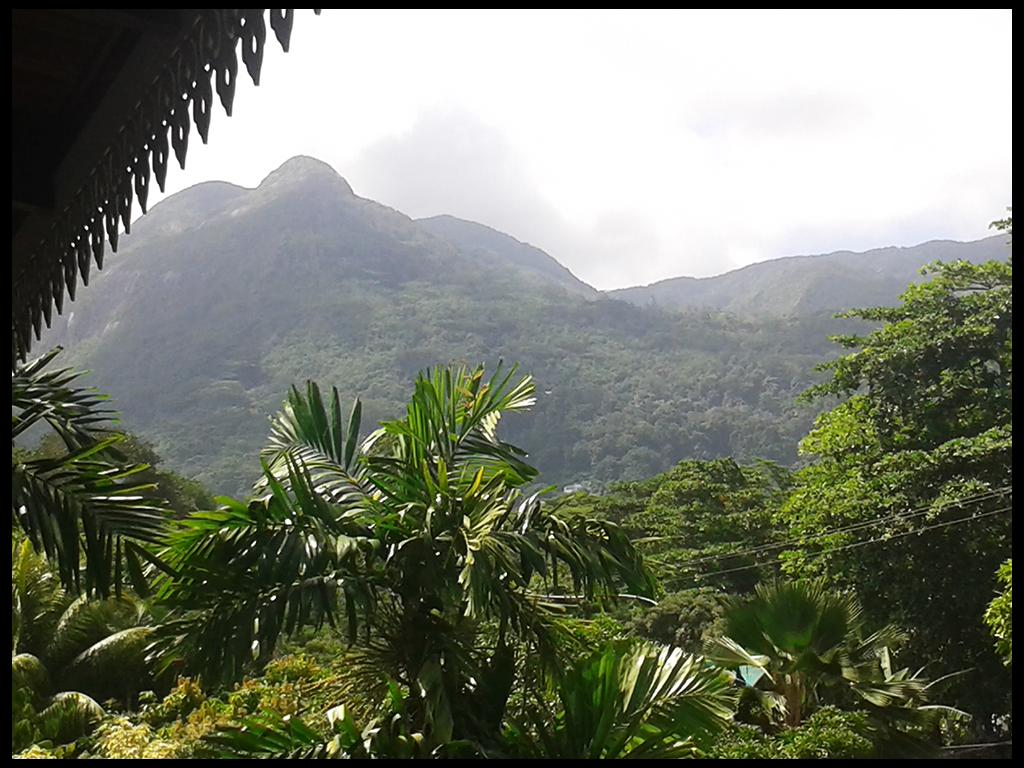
(223, 297)
(801, 285)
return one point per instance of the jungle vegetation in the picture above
(410, 589)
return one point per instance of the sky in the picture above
(638, 146)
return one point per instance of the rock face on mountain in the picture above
(222, 297)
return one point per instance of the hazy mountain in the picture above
(222, 297)
(491, 246)
(802, 285)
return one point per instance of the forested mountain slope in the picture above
(801, 285)
(223, 297)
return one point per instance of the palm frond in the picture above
(84, 506)
(811, 643)
(37, 599)
(634, 700)
(29, 674)
(70, 716)
(73, 412)
(419, 536)
(308, 432)
(243, 575)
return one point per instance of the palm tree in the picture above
(419, 537)
(797, 645)
(629, 699)
(84, 509)
(60, 642)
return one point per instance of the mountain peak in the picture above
(304, 169)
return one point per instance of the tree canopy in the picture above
(909, 494)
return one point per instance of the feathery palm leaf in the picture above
(37, 599)
(636, 700)
(243, 575)
(85, 505)
(419, 535)
(308, 433)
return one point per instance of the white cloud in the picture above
(644, 145)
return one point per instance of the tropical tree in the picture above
(908, 501)
(69, 652)
(419, 539)
(83, 507)
(694, 518)
(629, 699)
(999, 614)
(797, 646)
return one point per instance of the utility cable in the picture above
(966, 501)
(856, 544)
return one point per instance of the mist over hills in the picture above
(222, 297)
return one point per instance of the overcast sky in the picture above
(644, 145)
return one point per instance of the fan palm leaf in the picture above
(811, 643)
(29, 674)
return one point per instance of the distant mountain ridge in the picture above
(787, 286)
(223, 297)
(801, 285)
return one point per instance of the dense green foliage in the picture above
(828, 733)
(419, 535)
(413, 593)
(201, 323)
(59, 643)
(924, 441)
(999, 614)
(699, 519)
(687, 619)
(83, 504)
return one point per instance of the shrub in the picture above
(828, 733)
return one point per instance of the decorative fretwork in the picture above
(180, 95)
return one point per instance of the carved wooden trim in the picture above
(205, 60)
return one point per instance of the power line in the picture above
(980, 746)
(894, 517)
(776, 560)
(966, 501)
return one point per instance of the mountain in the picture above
(491, 246)
(223, 297)
(803, 285)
